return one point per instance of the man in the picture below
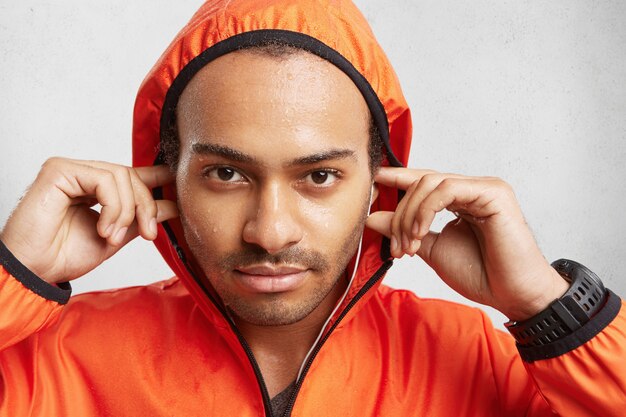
(258, 141)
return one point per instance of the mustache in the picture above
(307, 258)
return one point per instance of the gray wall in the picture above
(533, 92)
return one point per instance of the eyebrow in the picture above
(330, 155)
(205, 148)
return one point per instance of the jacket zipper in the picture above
(255, 366)
(244, 344)
(369, 284)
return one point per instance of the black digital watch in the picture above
(585, 297)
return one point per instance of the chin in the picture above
(275, 312)
(278, 308)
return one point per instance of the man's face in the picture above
(273, 181)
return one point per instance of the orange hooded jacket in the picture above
(167, 349)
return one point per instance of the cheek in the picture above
(315, 214)
(334, 219)
(207, 220)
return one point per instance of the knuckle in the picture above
(431, 179)
(430, 172)
(107, 176)
(52, 164)
(138, 185)
(504, 186)
(447, 184)
(118, 172)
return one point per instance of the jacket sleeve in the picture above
(29, 304)
(588, 377)
(582, 375)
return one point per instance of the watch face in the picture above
(570, 270)
(586, 294)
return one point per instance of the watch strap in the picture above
(585, 297)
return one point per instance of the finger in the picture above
(151, 176)
(398, 236)
(146, 208)
(425, 247)
(155, 176)
(467, 195)
(402, 238)
(166, 210)
(135, 196)
(127, 200)
(89, 181)
(406, 224)
(400, 178)
(414, 197)
(126, 196)
(380, 222)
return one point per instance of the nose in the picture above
(273, 223)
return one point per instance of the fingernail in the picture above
(153, 226)
(415, 229)
(119, 236)
(415, 245)
(394, 244)
(108, 230)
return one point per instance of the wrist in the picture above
(54, 292)
(554, 288)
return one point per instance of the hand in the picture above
(487, 254)
(55, 232)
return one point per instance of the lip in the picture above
(270, 278)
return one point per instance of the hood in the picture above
(332, 29)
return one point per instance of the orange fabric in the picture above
(166, 350)
(150, 351)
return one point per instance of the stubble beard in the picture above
(274, 309)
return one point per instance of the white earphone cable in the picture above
(356, 264)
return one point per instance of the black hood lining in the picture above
(261, 37)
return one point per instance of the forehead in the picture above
(248, 98)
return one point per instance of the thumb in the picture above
(426, 246)
(380, 222)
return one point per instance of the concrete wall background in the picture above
(533, 92)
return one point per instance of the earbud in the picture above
(372, 191)
(369, 206)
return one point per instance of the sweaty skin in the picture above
(273, 188)
(56, 234)
(488, 254)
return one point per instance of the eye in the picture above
(323, 177)
(224, 174)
